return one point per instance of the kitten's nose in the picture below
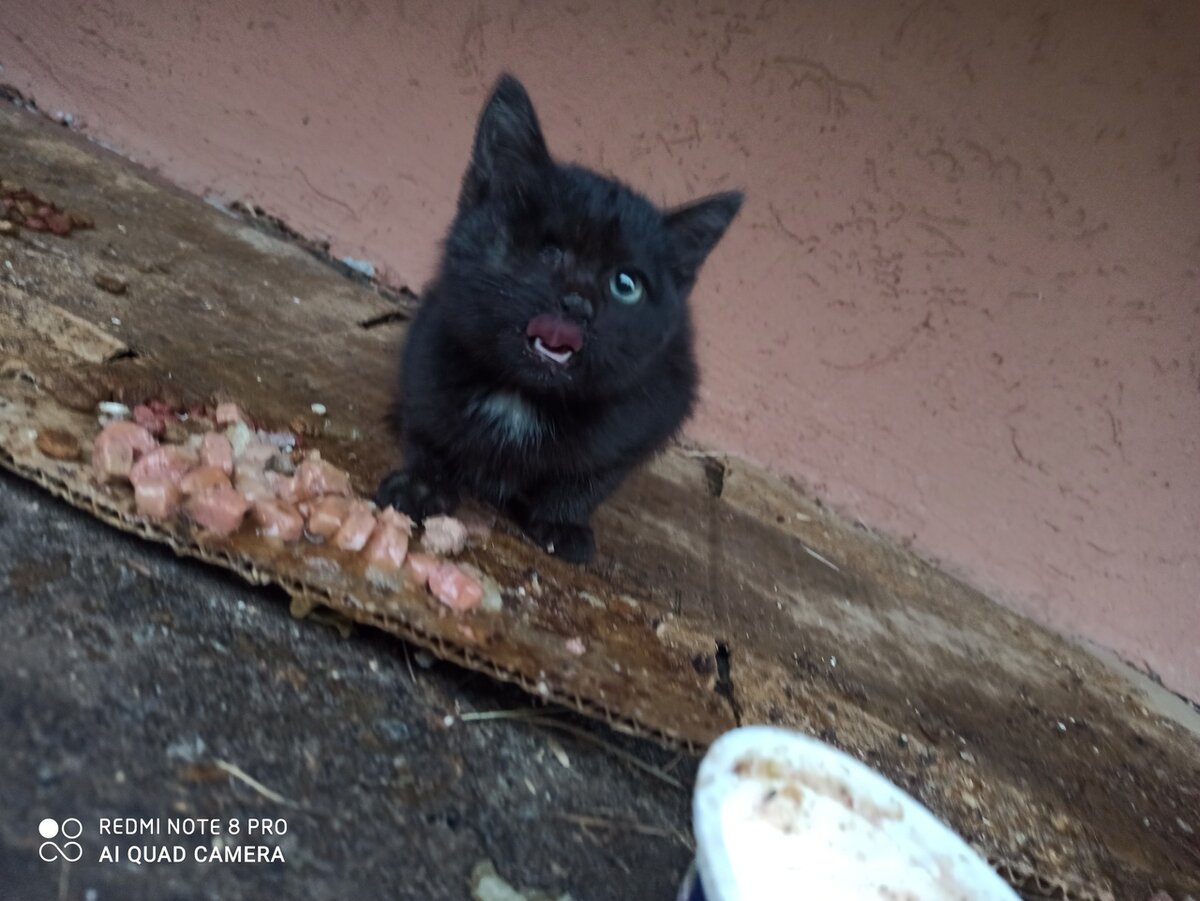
(578, 306)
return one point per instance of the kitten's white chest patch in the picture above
(510, 416)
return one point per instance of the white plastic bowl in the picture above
(778, 815)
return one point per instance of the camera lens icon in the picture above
(69, 829)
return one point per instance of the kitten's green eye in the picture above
(625, 287)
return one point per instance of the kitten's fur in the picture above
(536, 249)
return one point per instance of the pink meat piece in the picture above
(157, 497)
(256, 455)
(389, 542)
(215, 450)
(422, 565)
(254, 485)
(189, 452)
(315, 477)
(59, 223)
(285, 489)
(326, 515)
(356, 528)
(204, 480)
(152, 420)
(167, 461)
(393, 517)
(576, 646)
(276, 519)
(228, 414)
(444, 535)
(455, 588)
(118, 446)
(220, 510)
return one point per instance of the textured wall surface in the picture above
(962, 302)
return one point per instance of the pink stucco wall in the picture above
(962, 302)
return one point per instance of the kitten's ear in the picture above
(509, 147)
(695, 230)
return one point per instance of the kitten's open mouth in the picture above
(554, 338)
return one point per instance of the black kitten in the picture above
(553, 351)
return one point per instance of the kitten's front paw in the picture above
(413, 495)
(570, 541)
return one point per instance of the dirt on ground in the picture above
(129, 678)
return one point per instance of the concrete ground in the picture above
(128, 674)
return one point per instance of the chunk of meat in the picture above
(315, 477)
(204, 480)
(326, 515)
(240, 437)
(257, 485)
(152, 421)
(285, 489)
(277, 519)
(255, 455)
(389, 542)
(156, 497)
(167, 461)
(393, 517)
(253, 485)
(356, 528)
(215, 450)
(444, 535)
(116, 448)
(219, 511)
(59, 223)
(455, 587)
(421, 566)
(228, 414)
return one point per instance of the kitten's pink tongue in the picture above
(555, 332)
